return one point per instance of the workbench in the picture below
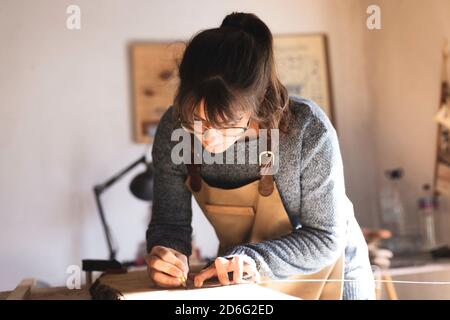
(423, 271)
(135, 285)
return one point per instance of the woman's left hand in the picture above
(237, 264)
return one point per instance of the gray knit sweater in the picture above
(310, 180)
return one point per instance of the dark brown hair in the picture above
(232, 69)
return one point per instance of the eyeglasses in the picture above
(228, 131)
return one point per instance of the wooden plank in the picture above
(136, 285)
(60, 293)
(4, 295)
(53, 293)
(23, 290)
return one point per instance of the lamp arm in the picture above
(112, 250)
(102, 187)
(99, 189)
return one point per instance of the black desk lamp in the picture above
(141, 187)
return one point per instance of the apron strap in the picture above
(266, 185)
(194, 170)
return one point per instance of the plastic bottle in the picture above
(428, 205)
(392, 209)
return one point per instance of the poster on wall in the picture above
(154, 82)
(303, 68)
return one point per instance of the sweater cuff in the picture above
(175, 244)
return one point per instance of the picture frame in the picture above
(304, 69)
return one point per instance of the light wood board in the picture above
(136, 285)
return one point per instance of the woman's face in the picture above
(218, 140)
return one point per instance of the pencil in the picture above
(183, 281)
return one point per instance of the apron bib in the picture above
(253, 213)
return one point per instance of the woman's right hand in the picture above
(165, 266)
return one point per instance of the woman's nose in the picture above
(211, 135)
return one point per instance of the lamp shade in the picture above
(142, 185)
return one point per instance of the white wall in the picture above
(65, 118)
(404, 70)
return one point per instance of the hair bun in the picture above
(241, 28)
(235, 24)
(249, 23)
(241, 21)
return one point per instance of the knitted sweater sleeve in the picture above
(323, 210)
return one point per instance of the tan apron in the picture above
(254, 213)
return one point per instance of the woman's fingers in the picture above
(251, 270)
(166, 266)
(163, 279)
(222, 266)
(238, 269)
(204, 275)
(244, 264)
(184, 259)
(160, 265)
(238, 265)
(169, 256)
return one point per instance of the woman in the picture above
(294, 221)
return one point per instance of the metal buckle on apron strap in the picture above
(269, 153)
(266, 183)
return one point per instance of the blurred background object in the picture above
(141, 187)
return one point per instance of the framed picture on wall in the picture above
(302, 65)
(154, 82)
